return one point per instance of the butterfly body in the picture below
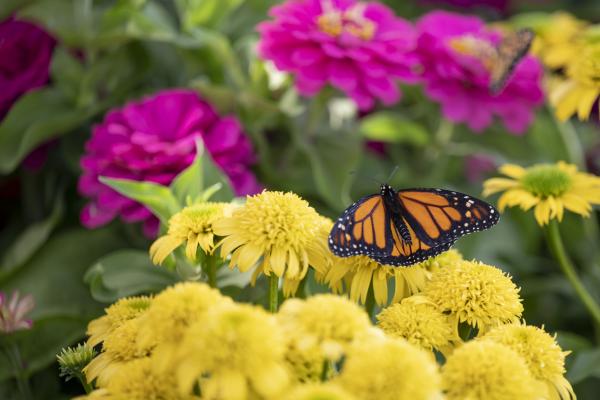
(408, 226)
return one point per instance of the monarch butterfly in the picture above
(408, 226)
(508, 54)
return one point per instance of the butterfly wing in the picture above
(510, 52)
(362, 229)
(438, 216)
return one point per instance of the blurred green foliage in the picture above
(111, 51)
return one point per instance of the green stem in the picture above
(325, 370)
(370, 302)
(273, 292)
(570, 140)
(21, 375)
(211, 271)
(86, 386)
(442, 138)
(558, 249)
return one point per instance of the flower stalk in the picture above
(211, 270)
(273, 293)
(558, 249)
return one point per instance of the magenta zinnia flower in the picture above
(153, 140)
(359, 48)
(499, 5)
(458, 79)
(25, 53)
(13, 312)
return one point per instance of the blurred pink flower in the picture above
(153, 140)
(358, 48)
(25, 53)
(477, 166)
(499, 5)
(13, 311)
(459, 81)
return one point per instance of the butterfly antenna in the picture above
(396, 168)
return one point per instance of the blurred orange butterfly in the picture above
(509, 53)
(408, 226)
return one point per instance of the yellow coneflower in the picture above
(356, 274)
(389, 369)
(550, 188)
(486, 370)
(118, 313)
(558, 39)
(236, 350)
(194, 226)
(474, 293)
(328, 322)
(139, 380)
(543, 355)
(419, 321)
(579, 92)
(274, 232)
(173, 310)
(319, 391)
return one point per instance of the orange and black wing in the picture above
(362, 229)
(510, 52)
(438, 216)
(408, 248)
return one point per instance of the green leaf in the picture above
(159, 199)
(333, 157)
(586, 364)
(67, 74)
(212, 175)
(29, 241)
(392, 128)
(189, 183)
(126, 273)
(208, 13)
(63, 305)
(136, 20)
(35, 118)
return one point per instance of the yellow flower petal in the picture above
(495, 185)
(586, 101)
(512, 170)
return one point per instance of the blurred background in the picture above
(65, 64)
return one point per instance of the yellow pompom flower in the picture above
(480, 295)
(443, 260)
(138, 380)
(486, 370)
(319, 391)
(419, 321)
(123, 310)
(389, 369)
(274, 231)
(580, 91)
(174, 310)
(356, 274)
(120, 347)
(235, 353)
(328, 322)
(558, 39)
(543, 355)
(550, 188)
(194, 226)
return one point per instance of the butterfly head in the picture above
(386, 190)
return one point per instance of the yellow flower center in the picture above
(546, 180)
(586, 66)
(196, 219)
(352, 21)
(475, 47)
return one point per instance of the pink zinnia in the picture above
(153, 140)
(25, 54)
(459, 80)
(358, 48)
